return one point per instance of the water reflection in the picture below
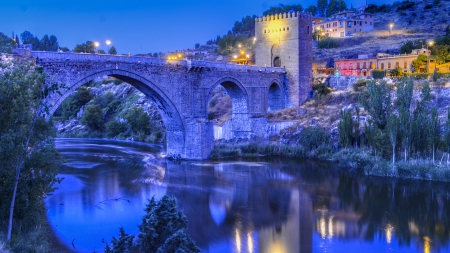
(253, 206)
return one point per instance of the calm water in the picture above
(271, 206)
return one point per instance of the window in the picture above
(370, 66)
(365, 22)
(354, 22)
(342, 34)
(307, 30)
(360, 22)
(364, 65)
(351, 66)
(264, 31)
(389, 65)
(287, 28)
(357, 66)
(382, 65)
(405, 65)
(397, 64)
(340, 24)
(349, 24)
(284, 29)
(370, 23)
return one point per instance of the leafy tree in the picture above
(345, 127)
(434, 128)
(313, 137)
(322, 6)
(112, 50)
(328, 42)
(404, 100)
(397, 72)
(48, 43)
(393, 132)
(377, 102)
(27, 151)
(163, 227)
(114, 128)
(311, 9)
(138, 120)
(92, 117)
(71, 105)
(122, 244)
(420, 61)
(341, 5)
(447, 134)
(29, 38)
(197, 45)
(412, 44)
(332, 8)
(442, 53)
(87, 47)
(6, 44)
(281, 8)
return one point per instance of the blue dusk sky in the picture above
(135, 26)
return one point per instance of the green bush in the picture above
(163, 228)
(321, 89)
(328, 43)
(122, 244)
(378, 73)
(314, 136)
(72, 104)
(138, 120)
(114, 128)
(92, 117)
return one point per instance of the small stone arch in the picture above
(175, 126)
(275, 96)
(240, 124)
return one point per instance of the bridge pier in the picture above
(199, 139)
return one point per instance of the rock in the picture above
(302, 111)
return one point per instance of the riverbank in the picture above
(352, 160)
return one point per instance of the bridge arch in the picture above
(240, 124)
(275, 96)
(175, 126)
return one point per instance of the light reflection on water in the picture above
(254, 206)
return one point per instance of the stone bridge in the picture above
(180, 90)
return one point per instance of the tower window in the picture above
(288, 28)
(307, 30)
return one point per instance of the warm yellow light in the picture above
(242, 52)
(431, 43)
(248, 56)
(391, 25)
(426, 244)
(108, 42)
(254, 39)
(96, 44)
(179, 55)
(234, 56)
(239, 45)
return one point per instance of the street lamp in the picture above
(390, 28)
(428, 55)
(108, 42)
(96, 44)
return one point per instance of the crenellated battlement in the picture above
(287, 15)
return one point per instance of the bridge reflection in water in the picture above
(258, 206)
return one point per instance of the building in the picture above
(365, 63)
(344, 24)
(285, 40)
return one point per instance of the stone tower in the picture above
(285, 40)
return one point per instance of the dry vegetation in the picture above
(219, 106)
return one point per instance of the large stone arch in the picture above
(175, 126)
(275, 96)
(239, 123)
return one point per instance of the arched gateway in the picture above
(181, 89)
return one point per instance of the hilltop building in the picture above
(344, 24)
(285, 40)
(365, 63)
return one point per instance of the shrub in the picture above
(428, 6)
(92, 117)
(122, 244)
(397, 72)
(313, 137)
(378, 73)
(138, 120)
(163, 227)
(328, 43)
(321, 89)
(114, 128)
(360, 83)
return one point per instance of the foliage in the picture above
(322, 6)
(321, 89)
(378, 73)
(313, 137)
(405, 5)
(47, 43)
(87, 47)
(442, 53)
(397, 72)
(6, 44)
(312, 9)
(72, 104)
(112, 50)
(335, 6)
(412, 44)
(362, 82)
(345, 127)
(163, 226)
(281, 8)
(328, 42)
(377, 102)
(114, 128)
(428, 6)
(122, 244)
(373, 8)
(138, 120)
(27, 150)
(92, 117)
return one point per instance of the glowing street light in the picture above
(390, 28)
(428, 55)
(108, 42)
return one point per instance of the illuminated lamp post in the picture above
(108, 42)
(390, 28)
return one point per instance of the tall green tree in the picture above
(434, 131)
(281, 8)
(345, 127)
(28, 159)
(6, 44)
(341, 5)
(322, 6)
(393, 134)
(377, 102)
(112, 50)
(332, 8)
(87, 47)
(404, 100)
(311, 9)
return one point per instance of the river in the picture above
(257, 205)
